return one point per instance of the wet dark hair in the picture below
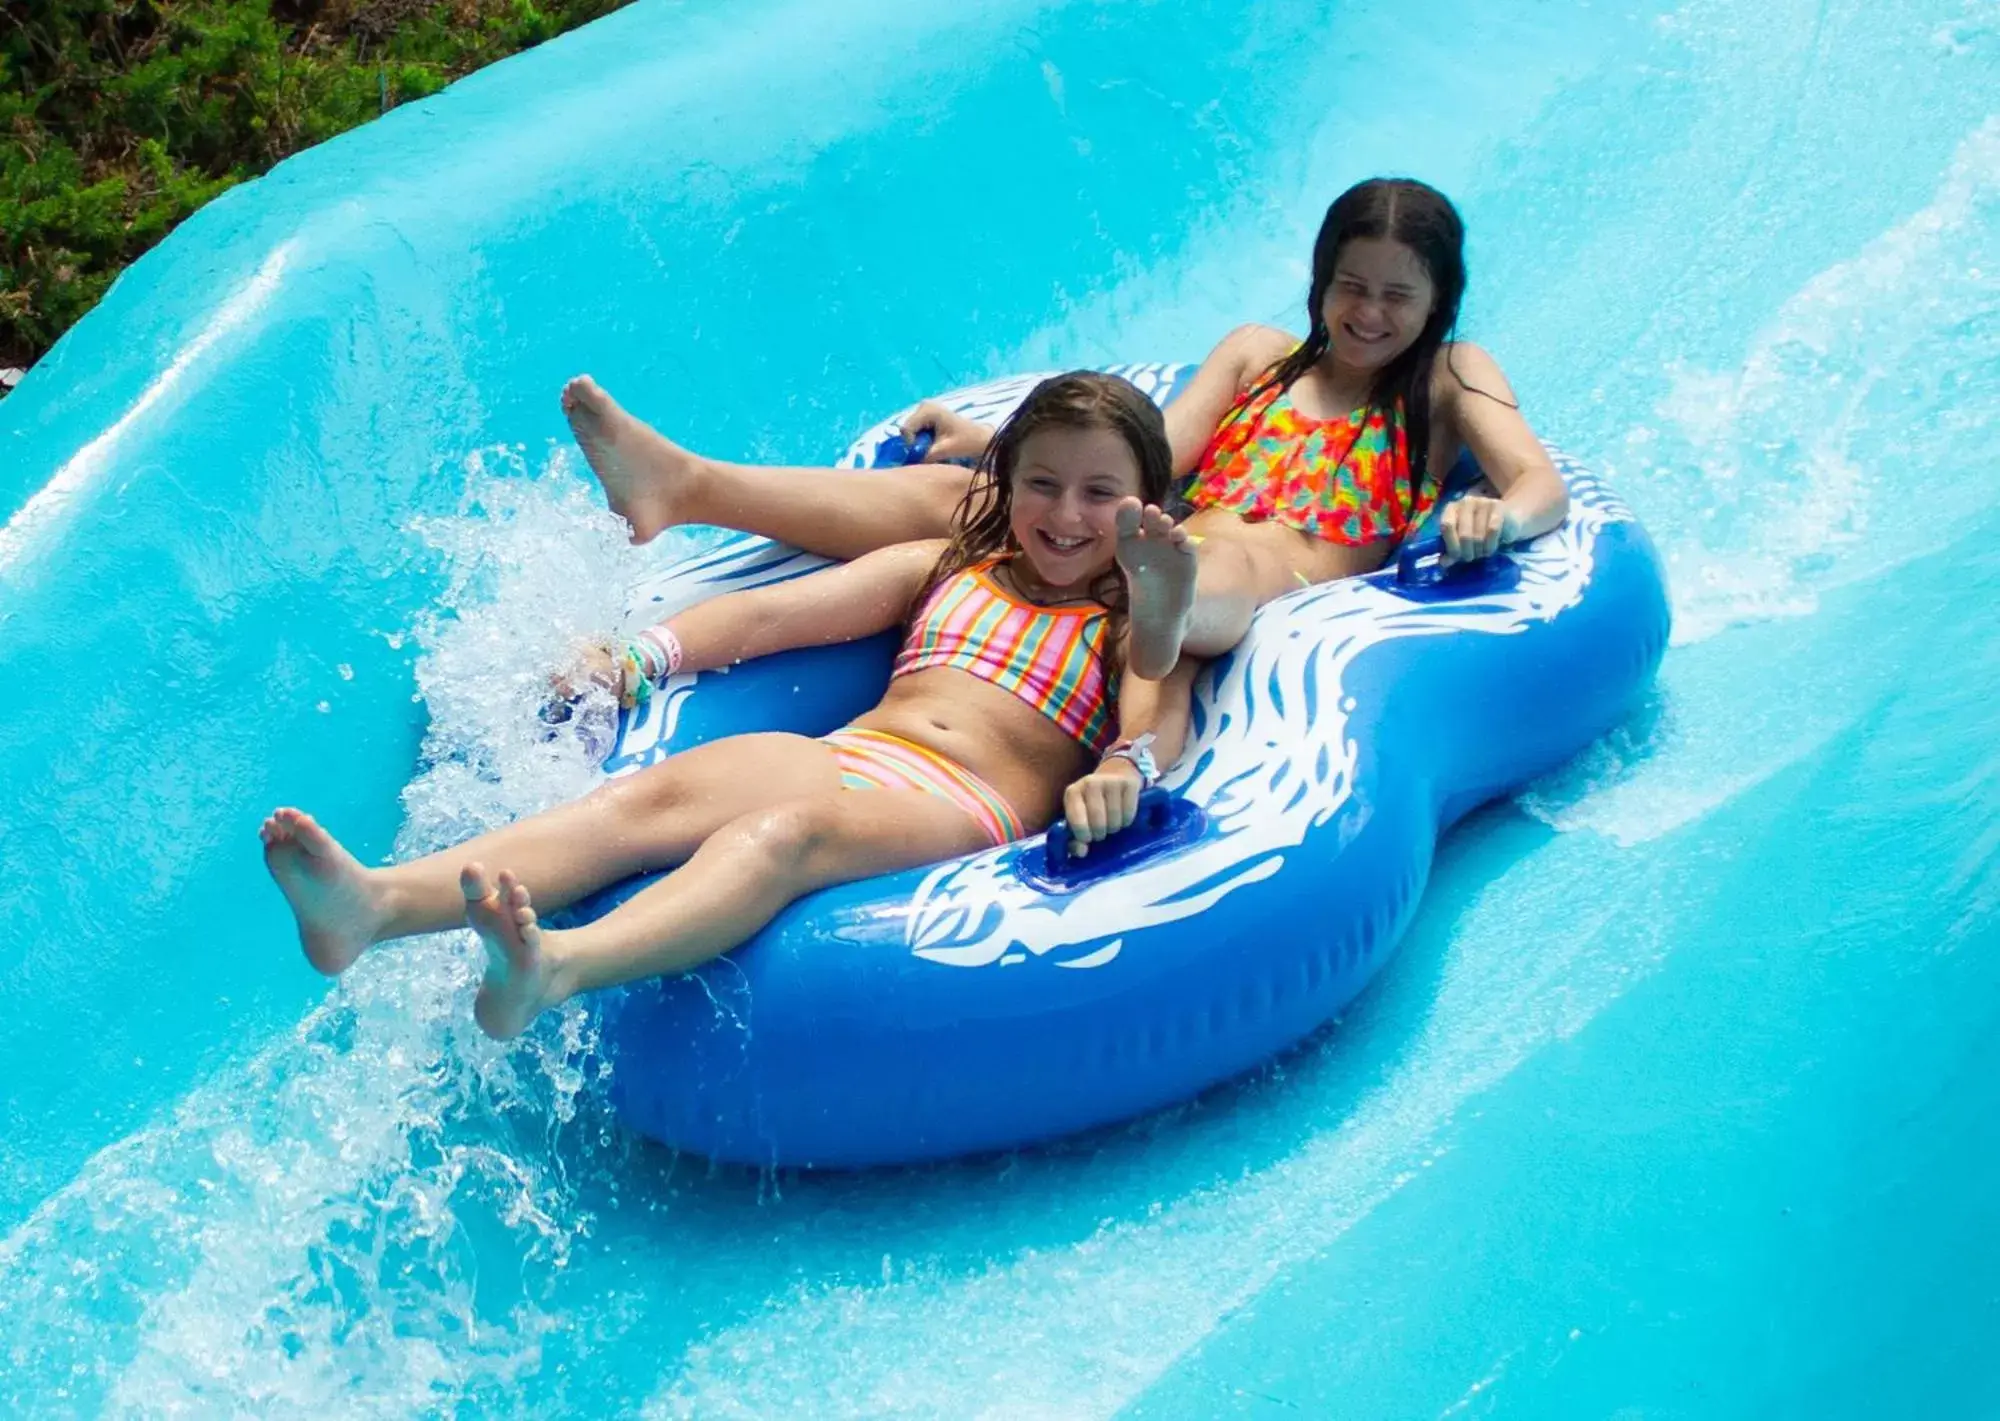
(1082, 399)
(1421, 218)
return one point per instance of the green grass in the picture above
(118, 118)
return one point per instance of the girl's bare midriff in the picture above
(1278, 547)
(992, 732)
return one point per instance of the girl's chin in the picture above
(1371, 355)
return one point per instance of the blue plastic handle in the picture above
(1422, 575)
(1164, 822)
(896, 450)
(1422, 564)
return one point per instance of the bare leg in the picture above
(503, 914)
(740, 879)
(657, 817)
(654, 484)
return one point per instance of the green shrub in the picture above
(118, 118)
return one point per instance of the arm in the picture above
(1470, 391)
(953, 435)
(842, 603)
(1243, 355)
(845, 602)
(1107, 799)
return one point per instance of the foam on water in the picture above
(1080, 1330)
(1817, 457)
(332, 1228)
(302, 1236)
(1817, 462)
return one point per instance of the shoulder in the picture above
(1265, 345)
(1463, 368)
(1250, 350)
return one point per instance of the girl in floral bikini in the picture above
(1309, 459)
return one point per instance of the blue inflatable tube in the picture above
(1013, 995)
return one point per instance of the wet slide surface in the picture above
(1678, 1099)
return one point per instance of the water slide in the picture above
(1678, 1099)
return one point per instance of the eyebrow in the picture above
(1094, 476)
(1342, 274)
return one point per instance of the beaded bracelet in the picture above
(658, 651)
(648, 660)
(635, 687)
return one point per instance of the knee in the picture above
(654, 790)
(785, 836)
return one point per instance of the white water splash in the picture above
(303, 1236)
(1825, 457)
(1826, 460)
(1081, 1330)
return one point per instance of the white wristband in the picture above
(661, 650)
(1139, 754)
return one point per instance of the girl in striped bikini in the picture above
(1003, 695)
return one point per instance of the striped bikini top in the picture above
(1051, 657)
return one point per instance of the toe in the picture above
(309, 833)
(472, 883)
(1129, 513)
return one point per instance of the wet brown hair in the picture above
(1419, 217)
(982, 527)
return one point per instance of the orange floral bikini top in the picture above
(1343, 480)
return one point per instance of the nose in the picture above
(1069, 509)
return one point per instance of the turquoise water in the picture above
(1678, 1100)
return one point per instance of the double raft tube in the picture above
(1017, 994)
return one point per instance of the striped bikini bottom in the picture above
(870, 759)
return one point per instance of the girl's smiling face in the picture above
(1067, 484)
(1376, 305)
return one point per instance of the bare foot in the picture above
(332, 894)
(646, 476)
(1159, 562)
(517, 985)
